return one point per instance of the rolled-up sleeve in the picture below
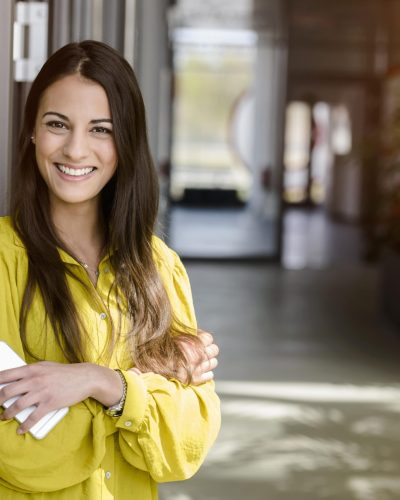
(167, 427)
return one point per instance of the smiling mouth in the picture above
(74, 172)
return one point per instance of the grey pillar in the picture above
(60, 26)
(152, 63)
(130, 31)
(270, 105)
(114, 24)
(6, 99)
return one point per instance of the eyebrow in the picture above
(63, 117)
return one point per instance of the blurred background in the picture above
(275, 127)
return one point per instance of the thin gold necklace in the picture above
(88, 268)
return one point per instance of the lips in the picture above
(74, 171)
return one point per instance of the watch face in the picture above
(114, 412)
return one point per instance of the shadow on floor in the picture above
(309, 382)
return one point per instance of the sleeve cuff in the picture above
(135, 403)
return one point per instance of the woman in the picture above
(100, 309)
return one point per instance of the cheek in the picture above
(46, 145)
(109, 155)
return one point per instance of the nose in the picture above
(76, 146)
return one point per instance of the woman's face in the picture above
(73, 135)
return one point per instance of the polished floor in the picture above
(309, 378)
(210, 232)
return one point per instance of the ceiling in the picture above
(365, 33)
(314, 20)
(219, 14)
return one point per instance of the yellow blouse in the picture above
(165, 430)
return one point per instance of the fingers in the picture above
(13, 374)
(202, 361)
(20, 404)
(33, 418)
(207, 365)
(202, 378)
(193, 355)
(13, 389)
(205, 337)
(212, 351)
(204, 372)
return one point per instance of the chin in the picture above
(73, 199)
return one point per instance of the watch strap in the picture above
(117, 409)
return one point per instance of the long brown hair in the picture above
(129, 204)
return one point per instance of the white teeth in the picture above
(74, 172)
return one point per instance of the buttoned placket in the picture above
(108, 463)
(108, 467)
(96, 288)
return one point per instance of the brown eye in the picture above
(56, 124)
(101, 130)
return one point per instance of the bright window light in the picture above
(341, 130)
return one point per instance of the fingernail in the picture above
(20, 431)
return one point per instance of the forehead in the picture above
(74, 96)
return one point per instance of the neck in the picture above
(80, 228)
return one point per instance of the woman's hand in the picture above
(202, 362)
(51, 386)
(205, 362)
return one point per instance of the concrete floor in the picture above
(309, 380)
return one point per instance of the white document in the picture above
(10, 359)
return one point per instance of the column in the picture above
(6, 99)
(152, 67)
(270, 109)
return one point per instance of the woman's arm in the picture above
(168, 427)
(51, 386)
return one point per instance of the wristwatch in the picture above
(117, 409)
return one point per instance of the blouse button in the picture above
(128, 423)
(103, 316)
(108, 475)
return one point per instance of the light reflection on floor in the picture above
(301, 441)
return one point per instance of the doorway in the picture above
(322, 179)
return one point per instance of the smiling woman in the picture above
(97, 306)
